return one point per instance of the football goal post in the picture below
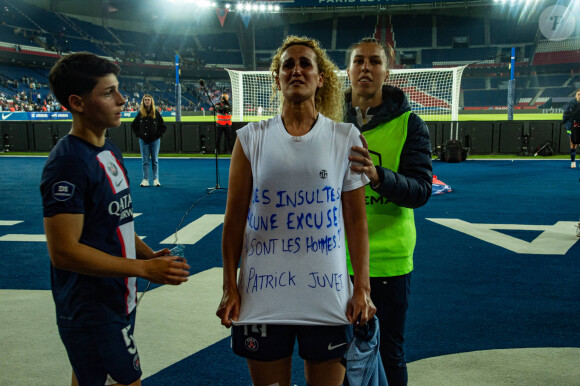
(433, 93)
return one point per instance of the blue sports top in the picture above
(81, 178)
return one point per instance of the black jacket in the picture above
(224, 107)
(571, 113)
(410, 187)
(147, 128)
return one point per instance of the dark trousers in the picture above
(227, 130)
(391, 297)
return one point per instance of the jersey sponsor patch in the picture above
(115, 174)
(62, 190)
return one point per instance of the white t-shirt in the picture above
(293, 264)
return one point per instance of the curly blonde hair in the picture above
(329, 99)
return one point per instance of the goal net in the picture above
(433, 93)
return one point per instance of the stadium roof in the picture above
(145, 9)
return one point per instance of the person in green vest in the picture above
(396, 157)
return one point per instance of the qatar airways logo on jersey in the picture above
(122, 208)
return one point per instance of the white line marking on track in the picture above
(21, 237)
(173, 322)
(9, 223)
(555, 239)
(196, 230)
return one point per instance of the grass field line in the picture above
(431, 118)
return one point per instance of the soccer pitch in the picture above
(517, 117)
(462, 118)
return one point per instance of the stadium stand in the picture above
(320, 30)
(221, 41)
(49, 22)
(472, 83)
(263, 60)
(545, 69)
(224, 58)
(94, 31)
(458, 56)
(351, 29)
(76, 45)
(489, 98)
(270, 38)
(14, 17)
(449, 27)
(528, 93)
(15, 36)
(511, 31)
(558, 52)
(412, 31)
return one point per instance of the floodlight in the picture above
(276, 8)
(270, 7)
(239, 6)
(248, 7)
(255, 7)
(228, 5)
(262, 7)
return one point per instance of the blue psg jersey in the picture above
(80, 178)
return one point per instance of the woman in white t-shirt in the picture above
(292, 204)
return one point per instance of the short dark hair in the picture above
(78, 74)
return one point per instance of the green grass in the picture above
(515, 156)
(462, 117)
(517, 117)
(432, 118)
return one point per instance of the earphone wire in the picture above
(175, 242)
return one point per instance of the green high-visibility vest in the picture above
(392, 233)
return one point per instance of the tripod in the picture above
(217, 175)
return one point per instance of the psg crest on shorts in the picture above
(136, 362)
(251, 344)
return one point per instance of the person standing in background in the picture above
(571, 118)
(224, 123)
(149, 127)
(401, 177)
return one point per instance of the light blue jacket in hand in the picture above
(363, 360)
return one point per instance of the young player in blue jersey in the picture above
(94, 251)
